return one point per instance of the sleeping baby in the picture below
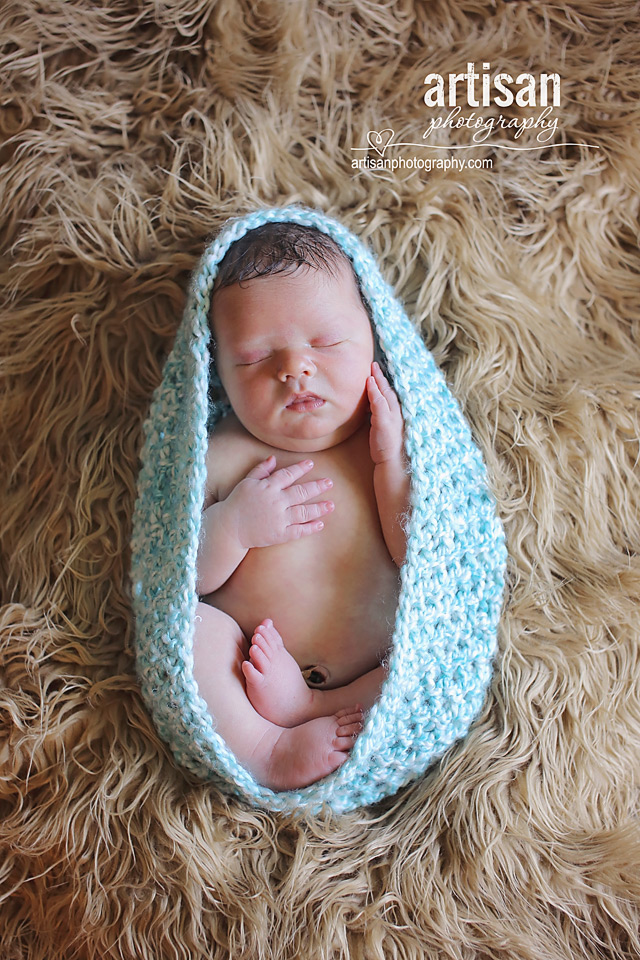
(303, 520)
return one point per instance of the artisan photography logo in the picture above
(463, 100)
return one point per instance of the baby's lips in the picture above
(299, 397)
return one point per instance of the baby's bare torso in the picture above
(332, 595)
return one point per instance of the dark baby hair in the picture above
(282, 248)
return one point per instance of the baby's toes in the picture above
(349, 715)
(260, 643)
(345, 742)
(347, 734)
(269, 633)
(252, 675)
(259, 657)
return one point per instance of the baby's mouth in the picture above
(305, 401)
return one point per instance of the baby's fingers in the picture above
(381, 393)
(262, 470)
(301, 492)
(376, 397)
(285, 476)
(304, 512)
(297, 530)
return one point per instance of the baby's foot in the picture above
(275, 686)
(288, 758)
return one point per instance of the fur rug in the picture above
(129, 133)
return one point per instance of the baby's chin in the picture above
(297, 445)
(310, 443)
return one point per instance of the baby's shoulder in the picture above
(231, 452)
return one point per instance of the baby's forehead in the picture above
(339, 281)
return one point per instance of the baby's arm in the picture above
(391, 480)
(219, 551)
(263, 509)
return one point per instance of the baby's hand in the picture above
(268, 508)
(385, 436)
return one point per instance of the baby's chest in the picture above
(352, 492)
(348, 466)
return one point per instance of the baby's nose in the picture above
(295, 363)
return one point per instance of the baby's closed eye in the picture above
(320, 343)
(326, 342)
(249, 361)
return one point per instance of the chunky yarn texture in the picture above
(444, 640)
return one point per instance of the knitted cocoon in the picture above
(451, 584)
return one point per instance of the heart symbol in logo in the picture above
(380, 139)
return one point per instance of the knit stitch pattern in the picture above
(451, 584)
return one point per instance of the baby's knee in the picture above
(214, 628)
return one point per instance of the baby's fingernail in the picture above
(308, 463)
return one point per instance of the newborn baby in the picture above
(302, 526)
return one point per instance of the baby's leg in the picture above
(279, 693)
(278, 757)
(275, 685)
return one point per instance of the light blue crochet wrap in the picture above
(444, 641)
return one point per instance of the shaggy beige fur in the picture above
(130, 132)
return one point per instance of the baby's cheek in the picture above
(249, 397)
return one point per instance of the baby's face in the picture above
(293, 353)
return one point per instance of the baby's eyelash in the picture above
(250, 363)
(316, 346)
